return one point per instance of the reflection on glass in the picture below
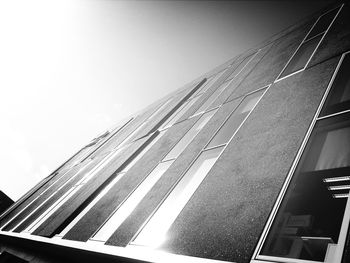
(90, 206)
(212, 98)
(235, 119)
(335, 152)
(180, 146)
(154, 232)
(308, 223)
(301, 57)
(339, 97)
(323, 23)
(129, 205)
(53, 208)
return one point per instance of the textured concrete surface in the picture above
(241, 76)
(130, 226)
(271, 65)
(161, 117)
(84, 229)
(210, 91)
(226, 215)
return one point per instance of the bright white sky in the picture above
(71, 69)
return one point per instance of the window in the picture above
(302, 56)
(236, 119)
(129, 205)
(212, 81)
(88, 177)
(208, 83)
(125, 209)
(339, 98)
(143, 151)
(212, 98)
(23, 215)
(181, 145)
(101, 194)
(179, 112)
(308, 223)
(308, 46)
(130, 136)
(153, 234)
(241, 65)
(312, 218)
(77, 186)
(322, 23)
(61, 176)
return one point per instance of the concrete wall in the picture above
(225, 217)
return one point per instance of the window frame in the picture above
(205, 148)
(252, 56)
(346, 218)
(305, 40)
(163, 160)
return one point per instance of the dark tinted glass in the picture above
(307, 226)
(301, 57)
(323, 23)
(339, 97)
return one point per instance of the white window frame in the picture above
(205, 148)
(256, 258)
(92, 239)
(108, 187)
(253, 55)
(279, 78)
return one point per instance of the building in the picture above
(5, 201)
(248, 163)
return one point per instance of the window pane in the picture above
(212, 98)
(181, 145)
(301, 57)
(91, 205)
(339, 97)
(154, 233)
(322, 23)
(129, 205)
(235, 120)
(308, 224)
